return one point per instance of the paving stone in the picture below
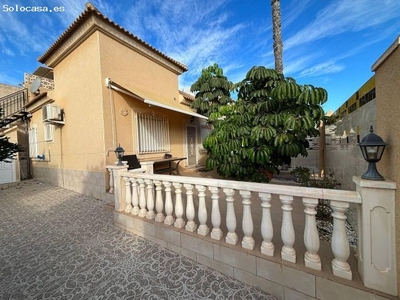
(58, 244)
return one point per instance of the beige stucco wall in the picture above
(387, 77)
(137, 73)
(79, 144)
(6, 89)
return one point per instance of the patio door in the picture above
(191, 145)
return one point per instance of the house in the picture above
(101, 87)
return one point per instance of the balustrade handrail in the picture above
(13, 103)
(295, 191)
(195, 203)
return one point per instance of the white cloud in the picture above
(7, 51)
(192, 32)
(324, 68)
(345, 16)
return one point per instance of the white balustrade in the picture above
(202, 214)
(190, 211)
(128, 195)
(216, 232)
(111, 181)
(169, 208)
(267, 230)
(142, 198)
(247, 221)
(135, 197)
(287, 231)
(150, 200)
(161, 197)
(340, 243)
(179, 222)
(231, 236)
(159, 201)
(311, 237)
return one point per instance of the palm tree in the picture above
(277, 35)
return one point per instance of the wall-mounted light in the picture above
(372, 147)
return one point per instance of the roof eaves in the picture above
(89, 10)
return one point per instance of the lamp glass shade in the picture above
(119, 153)
(372, 147)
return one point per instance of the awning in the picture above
(150, 102)
(139, 95)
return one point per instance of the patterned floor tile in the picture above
(57, 244)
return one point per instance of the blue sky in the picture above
(327, 43)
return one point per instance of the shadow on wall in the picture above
(91, 182)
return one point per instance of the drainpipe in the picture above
(112, 111)
(321, 149)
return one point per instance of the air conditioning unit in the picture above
(51, 112)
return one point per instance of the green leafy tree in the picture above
(267, 126)
(7, 149)
(212, 90)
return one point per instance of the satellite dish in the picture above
(35, 85)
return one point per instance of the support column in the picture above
(376, 235)
(119, 200)
(148, 166)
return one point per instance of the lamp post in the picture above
(372, 147)
(119, 153)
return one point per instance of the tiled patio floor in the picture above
(57, 244)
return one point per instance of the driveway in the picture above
(58, 244)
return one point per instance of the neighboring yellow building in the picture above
(110, 88)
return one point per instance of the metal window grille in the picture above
(33, 147)
(48, 132)
(153, 133)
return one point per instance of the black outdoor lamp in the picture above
(372, 147)
(119, 152)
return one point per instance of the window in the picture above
(153, 133)
(33, 149)
(48, 132)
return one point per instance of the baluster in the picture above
(311, 237)
(247, 222)
(216, 232)
(150, 200)
(190, 212)
(159, 202)
(179, 222)
(169, 220)
(340, 243)
(287, 231)
(231, 236)
(203, 229)
(142, 198)
(267, 232)
(128, 197)
(111, 182)
(135, 197)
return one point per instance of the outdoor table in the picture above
(170, 167)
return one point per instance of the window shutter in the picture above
(48, 132)
(33, 142)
